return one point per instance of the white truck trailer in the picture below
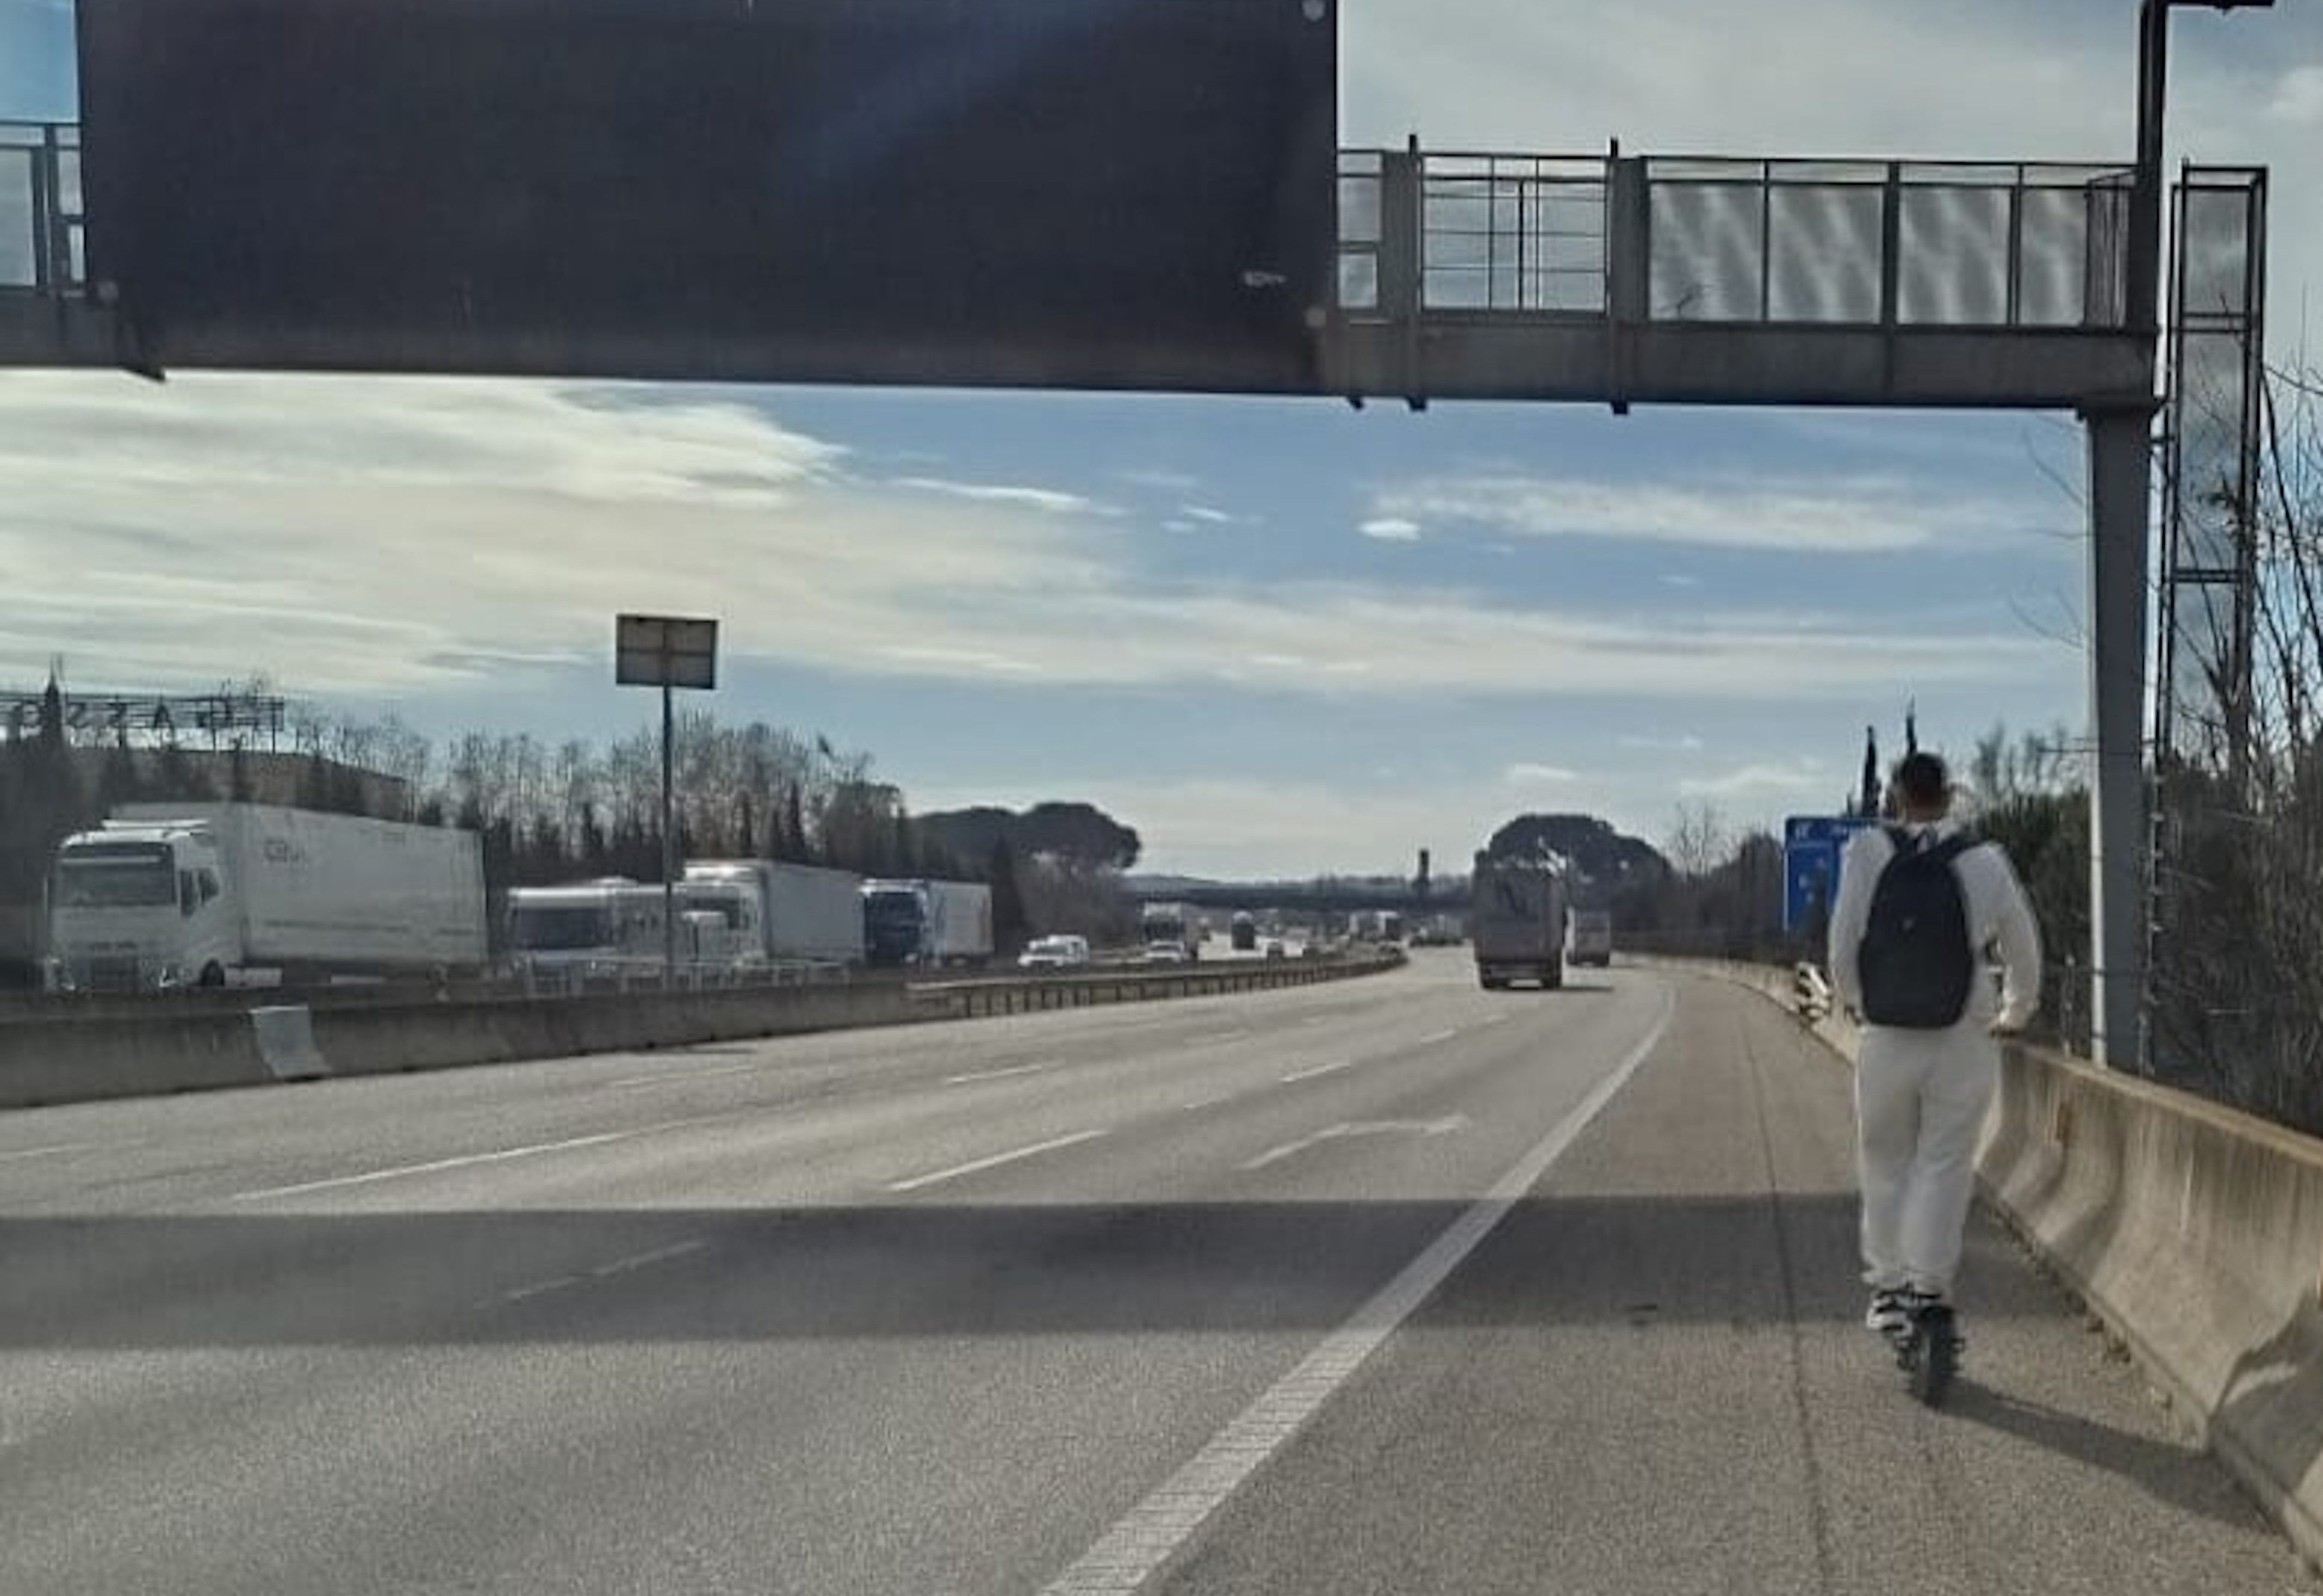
(784, 913)
(212, 894)
(1517, 921)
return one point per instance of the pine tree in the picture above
(1007, 898)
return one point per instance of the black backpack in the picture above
(1916, 962)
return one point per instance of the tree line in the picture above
(575, 810)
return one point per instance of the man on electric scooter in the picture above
(1924, 907)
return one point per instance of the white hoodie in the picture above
(1998, 920)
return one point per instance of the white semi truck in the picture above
(1517, 921)
(927, 924)
(211, 894)
(783, 913)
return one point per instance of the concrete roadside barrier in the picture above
(2191, 1231)
(2195, 1232)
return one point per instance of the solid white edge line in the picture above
(1150, 1533)
(59, 1148)
(979, 1165)
(1275, 1155)
(1429, 1041)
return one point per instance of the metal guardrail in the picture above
(988, 999)
(1685, 239)
(42, 224)
(1658, 239)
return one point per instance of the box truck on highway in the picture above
(927, 924)
(591, 927)
(212, 894)
(783, 913)
(1515, 922)
(1171, 932)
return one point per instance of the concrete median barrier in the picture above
(2193, 1232)
(173, 1048)
(81, 1060)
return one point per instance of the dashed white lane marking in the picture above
(465, 1160)
(1221, 1036)
(1494, 1020)
(977, 1075)
(1149, 1534)
(1200, 1103)
(55, 1148)
(1434, 1037)
(1446, 1126)
(621, 1266)
(979, 1165)
(1317, 1071)
(680, 1074)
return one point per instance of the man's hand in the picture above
(2007, 1027)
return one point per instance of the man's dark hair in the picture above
(1922, 781)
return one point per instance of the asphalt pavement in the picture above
(1390, 1284)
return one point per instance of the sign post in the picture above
(668, 652)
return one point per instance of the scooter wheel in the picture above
(1930, 1355)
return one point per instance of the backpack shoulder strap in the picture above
(1955, 845)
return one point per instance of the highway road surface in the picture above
(1392, 1286)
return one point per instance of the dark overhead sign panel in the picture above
(1110, 193)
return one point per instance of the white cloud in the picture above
(1685, 743)
(1206, 515)
(350, 537)
(1046, 500)
(1527, 775)
(1390, 529)
(2298, 98)
(1823, 515)
(1680, 579)
(1772, 778)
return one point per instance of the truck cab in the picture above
(728, 916)
(895, 924)
(141, 907)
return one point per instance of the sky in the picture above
(1279, 638)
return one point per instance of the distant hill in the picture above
(1077, 833)
(1609, 862)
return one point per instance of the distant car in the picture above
(1275, 950)
(1168, 953)
(1054, 953)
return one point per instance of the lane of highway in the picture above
(975, 1307)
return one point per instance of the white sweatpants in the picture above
(1920, 1101)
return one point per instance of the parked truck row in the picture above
(215, 895)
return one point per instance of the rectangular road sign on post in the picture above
(667, 652)
(1812, 846)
